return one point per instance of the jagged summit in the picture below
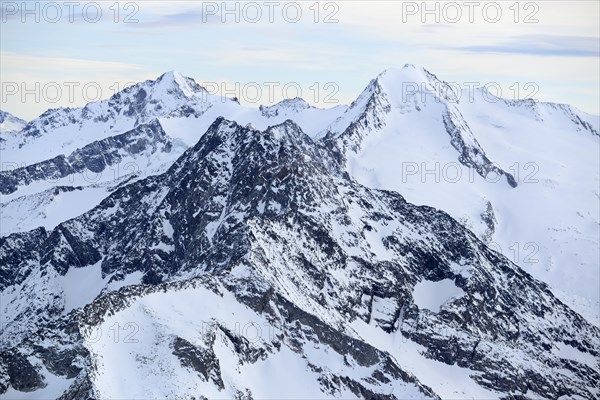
(66, 129)
(288, 126)
(285, 107)
(187, 85)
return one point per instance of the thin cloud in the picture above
(543, 45)
(182, 19)
(437, 26)
(59, 13)
(21, 61)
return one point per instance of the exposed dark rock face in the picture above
(472, 156)
(17, 253)
(204, 361)
(94, 158)
(22, 375)
(489, 218)
(266, 217)
(373, 105)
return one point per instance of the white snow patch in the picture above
(433, 295)
(167, 228)
(134, 278)
(464, 270)
(167, 248)
(568, 352)
(82, 285)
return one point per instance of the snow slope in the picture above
(270, 368)
(548, 223)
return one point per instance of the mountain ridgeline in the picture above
(263, 253)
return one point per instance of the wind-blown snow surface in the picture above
(147, 243)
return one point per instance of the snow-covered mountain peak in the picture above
(167, 91)
(365, 113)
(286, 106)
(407, 70)
(174, 76)
(10, 123)
(175, 80)
(406, 89)
(287, 127)
(62, 130)
(416, 85)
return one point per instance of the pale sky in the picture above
(326, 51)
